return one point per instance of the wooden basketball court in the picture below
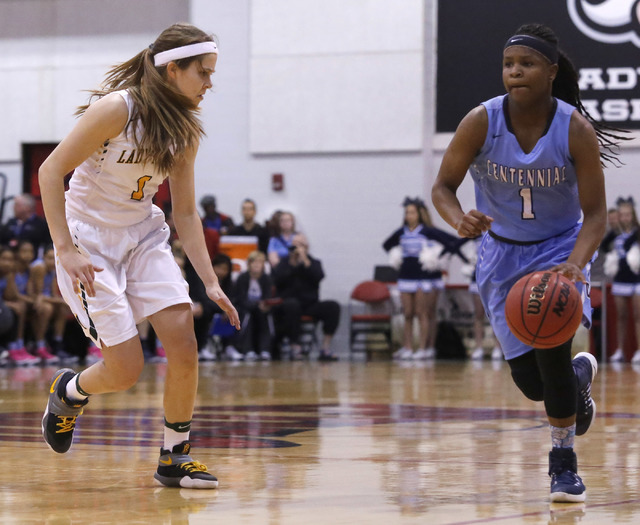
(340, 443)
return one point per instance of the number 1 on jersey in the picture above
(138, 195)
(527, 204)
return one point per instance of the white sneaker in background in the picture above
(496, 354)
(477, 354)
(617, 357)
(232, 354)
(206, 355)
(403, 353)
(430, 353)
(251, 356)
(635, 360)
(265, 355)
(420, 354)
(407, 355)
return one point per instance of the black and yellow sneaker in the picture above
(177, 469)
(59, 418)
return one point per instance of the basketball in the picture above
(543, 309)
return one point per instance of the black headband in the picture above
(543, 47)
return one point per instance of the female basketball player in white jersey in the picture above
(114, 264)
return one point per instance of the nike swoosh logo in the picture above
(53, 385)
(498, 135)
(167, 462)
(183, 427)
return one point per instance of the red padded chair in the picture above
(370, 325)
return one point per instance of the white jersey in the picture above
(113, 187)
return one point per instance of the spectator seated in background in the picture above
(25, 225)
(282, 237)
(297, 279)
(250, 227)
(212, 218)
(18, 354)
(223, 268)
(202, 306)
(36, 313)
(252, 299)
(51, 311)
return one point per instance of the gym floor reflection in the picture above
(298, 442)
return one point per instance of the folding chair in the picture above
(370, 318)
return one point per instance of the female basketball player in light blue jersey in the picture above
(536, 163)
(114, 265)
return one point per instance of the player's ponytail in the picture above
(566, 87)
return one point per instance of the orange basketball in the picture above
(543, 309)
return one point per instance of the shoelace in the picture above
(566, 477)
(192, 466)
(66, 424)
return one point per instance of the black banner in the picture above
(601, 37)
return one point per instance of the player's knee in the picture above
(529, 384)
(183, 352)
(555, 363)
(558, 377)
(525, 374)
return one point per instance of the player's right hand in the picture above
(80, 270)
(216, 294)
(473, 223)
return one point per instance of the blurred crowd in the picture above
(273, 281)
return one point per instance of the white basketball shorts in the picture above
(139, 278)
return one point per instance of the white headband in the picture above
(184, 52)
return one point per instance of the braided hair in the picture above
(565, 87)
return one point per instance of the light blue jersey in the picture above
(533, 199)
(531, 196)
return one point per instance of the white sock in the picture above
(72, 392)
(174, 434)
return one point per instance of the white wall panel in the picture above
(335, 76)
(299, 27)
(337, 103)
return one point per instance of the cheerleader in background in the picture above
(419, 251)
(469, 252)
(622, 264)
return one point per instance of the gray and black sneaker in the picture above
(59, 420)
(177, 469)
(586, 367)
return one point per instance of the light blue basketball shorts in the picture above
(501, 264)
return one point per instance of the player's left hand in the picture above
(216, 294)
(570, 271)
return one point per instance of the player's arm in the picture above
(190, 231)
(102, 120)
(584, 148)
(467, 141)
